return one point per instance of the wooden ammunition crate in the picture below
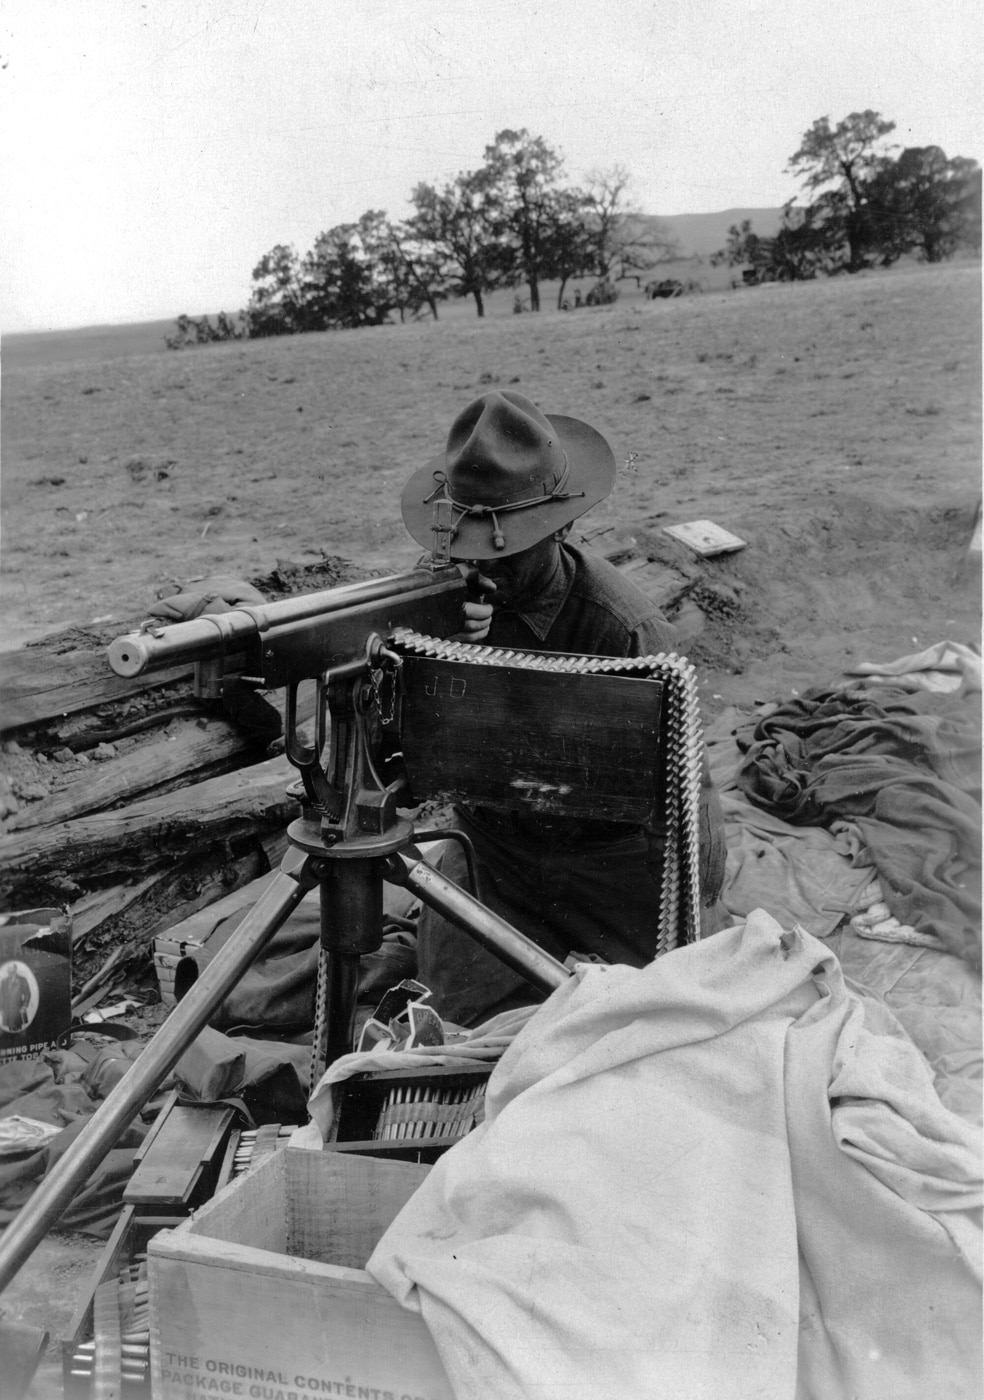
(264, 1289)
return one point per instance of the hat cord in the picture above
(441, 492)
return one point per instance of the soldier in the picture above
(516, 481)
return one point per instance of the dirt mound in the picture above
(290, 577)
(858, 578)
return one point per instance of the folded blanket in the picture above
(719, 1175)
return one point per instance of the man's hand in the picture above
(478, 612)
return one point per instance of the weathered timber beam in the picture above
(37, 686)
(179, 890)
(97, 908)
(152, 764)
(250, 799)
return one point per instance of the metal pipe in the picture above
(510, 946)
(118, 1110)
(341, 1006)
(351, 926)
(468, 848)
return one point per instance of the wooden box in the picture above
(528, 739)
(179, 1164)
(264, 1291)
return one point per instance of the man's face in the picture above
(520, 577)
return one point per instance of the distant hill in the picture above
(25, 348)
(700, 235)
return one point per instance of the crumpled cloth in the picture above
(947, 666)
(62, 1089)
(905, 769)
(803, 875)
(267, 1078)
(278, 989)
(719, 1175)
(936, 998)
(217, 594)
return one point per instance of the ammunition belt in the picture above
(679, 912)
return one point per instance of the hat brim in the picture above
(591, 478)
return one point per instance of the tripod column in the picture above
(351, 926)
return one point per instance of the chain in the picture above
(320, 1042)
(377, 679)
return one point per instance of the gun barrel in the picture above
(219, 634)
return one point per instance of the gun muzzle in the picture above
(213, 634)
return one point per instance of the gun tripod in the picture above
(350, 877)
(500, 727)
(348, 841)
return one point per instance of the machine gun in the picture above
(349, 835)
(399, 716)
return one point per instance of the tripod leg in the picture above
(513, 948)
(139, 1083)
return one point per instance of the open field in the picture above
(34, 349)
(833, 425)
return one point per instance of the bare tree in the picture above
(627, 243)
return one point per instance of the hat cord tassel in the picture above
(441, 492)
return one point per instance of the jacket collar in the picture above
(540, 613)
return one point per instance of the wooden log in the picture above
(154, 763)
(249, 801)
(39, 685)
(210, 885)
(146, 908)
(97, 908)
(198, 927)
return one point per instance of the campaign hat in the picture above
(509, 476)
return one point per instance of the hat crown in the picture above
(509, 476)
(502, 449)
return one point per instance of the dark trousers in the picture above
(583, 896)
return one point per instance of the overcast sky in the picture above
(154, 149)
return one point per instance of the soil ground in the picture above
(834, 426)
